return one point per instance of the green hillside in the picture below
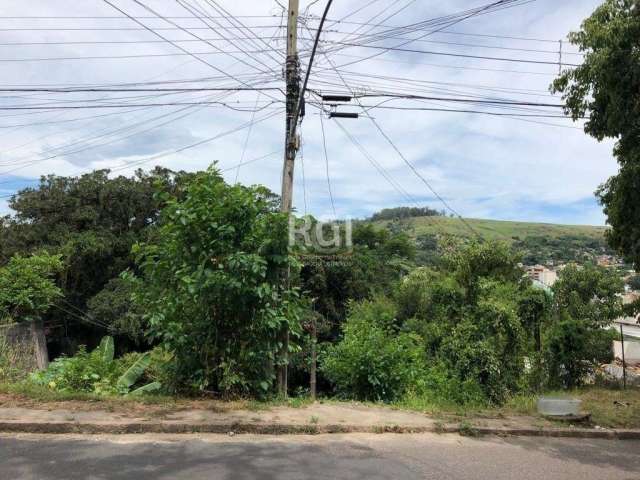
(539, 242)
(493, 229)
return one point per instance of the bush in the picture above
(573, 350)
(372, 361)
(97, 372)
(438, 387)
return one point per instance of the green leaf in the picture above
(106, 349)
(135, 371)
(148, 388)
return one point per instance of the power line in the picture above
(163, 104)
(462, 100)
(154, 31)
(120, 90)
(248, 162)
(120, 57)
(459, 55)
(441, 23)
(423, 179)
(304, 179)
(429, 186)
(453, 67)
(326, 161)
(246, 140)
(190, 10)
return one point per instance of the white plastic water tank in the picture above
(558, 407)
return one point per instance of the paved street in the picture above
(315, 457)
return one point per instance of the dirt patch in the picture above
(129, 407)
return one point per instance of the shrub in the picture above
(97, 372)
(437, 386)
(372, 362)
(574, 349)
(210, 286)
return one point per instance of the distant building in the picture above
(608, 261)
(541, 274)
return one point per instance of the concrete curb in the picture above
(292, 429)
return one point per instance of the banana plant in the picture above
(106, 349)
(134, 372)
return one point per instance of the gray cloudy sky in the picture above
(525, 168)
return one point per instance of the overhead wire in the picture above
(406, 161)
(190, 9)
(155, 32)
(326, 161)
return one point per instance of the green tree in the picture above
(606, 89)
(93, 221)
(27, 291)
(573, 349)
(27, 286)
(113, 306)
(210, 285)
(534, 310)
(475, 262)
(590, 294)
(376, 262)
(586, 299)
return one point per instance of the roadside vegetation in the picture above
(205, 294)
(179, 285)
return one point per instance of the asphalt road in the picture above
(368, 457)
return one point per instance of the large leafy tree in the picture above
(92, 221)
(606, 89)
(27, 291)
(211, 288)
(27, 286)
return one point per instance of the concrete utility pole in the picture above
(292, 75)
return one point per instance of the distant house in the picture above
(541, 274)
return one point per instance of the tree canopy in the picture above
(27, 286)
(605, 89)
(92, 221)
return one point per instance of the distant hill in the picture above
(541, 242)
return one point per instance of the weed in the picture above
(467, 430)
(439, 427)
